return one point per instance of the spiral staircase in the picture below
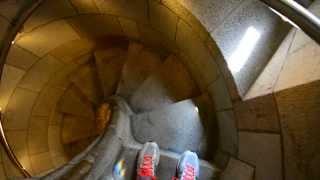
(86, 82)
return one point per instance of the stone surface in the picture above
(254, 21)
(258, 114)
(54, 141)
(48, 11)
(20, 58)
(176, 127)
(4, 26)
(85, 6)
(109, 65)
(17, 139)
(136, 10)
(38, 135)
(72, 50)
(9, 80)
(228, 133)
(220, 94)
(44, 39)
(171, 83)
(163, 20)
(265, 156)
(10, 9)
(237, 170)
(72, 103)
(41, 162)
(19, 109)
(202, 62)
(130, 28)
(299, 112)
(40, 73)
(86, 80)
(140, 64)
(96, 26)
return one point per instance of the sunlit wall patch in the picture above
(245, 48)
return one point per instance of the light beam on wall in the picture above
(242, 53)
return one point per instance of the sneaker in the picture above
(148, 160)
(188, 166)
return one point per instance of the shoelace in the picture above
(146, 168)
(188, 173)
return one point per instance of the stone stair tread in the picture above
(75, 128)
(176, 128)
(72, 103)
(109, 64)
(167, 165)
(170, 84)
(85, 78)
(139, 65)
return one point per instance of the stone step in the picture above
(85, 78)
(170, 84)
(139, 65)
(166, 168)
(75, 128)
(176, 128)
(109, 64)
(73, 103)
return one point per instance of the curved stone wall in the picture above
(60, 35)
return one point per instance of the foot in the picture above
(188, 166)
(148, 160)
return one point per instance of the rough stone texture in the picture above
(302, 66)
(220, 95)
(258, 114)
(9, 80)
(264, 152)
(109, 64)
(20, 58)
(299, 113)
(86, 80)
(237, 170)
(130, 28)
(19, 109)
(136, 10)
(48, 12)
(171, 83)
(194, 48)
(267, 80)
(36, 78)
(41, 162)
(85, 6)
(162, 19)
(96, 25)
(72, 103)
(228, 134)
(71, 51)
(139, 65)
(252, 15)
(38, 135)
(176, 127)
(44, 39)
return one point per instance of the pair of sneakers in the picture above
(149, 156)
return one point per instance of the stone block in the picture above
(41, 163)
(44, 39)
(38, 135)
(19, 109)
(237, 170)
(2, 172)
(163, 20)
(48, 11)
(136, 10)
(4, 25)
(258, 114)
(54, 141)
(96, 26)
(228, 133)
(20, 57)
(130, 28)
(9, 80)
(40, 73)
(300, 39)
(17, 139)
(85, 6)
(265, 156)
(220, 94)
